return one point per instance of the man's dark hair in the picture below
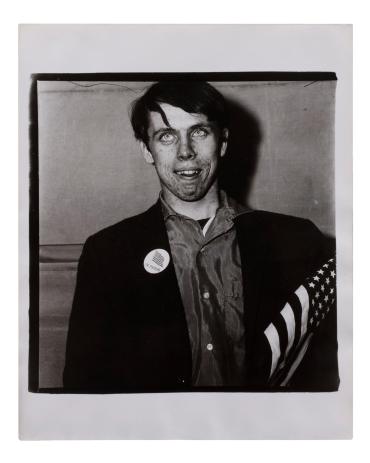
(193, 97)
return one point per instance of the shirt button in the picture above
(210, 346)
(206, 295)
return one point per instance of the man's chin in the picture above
(187, 194)
(190, 197)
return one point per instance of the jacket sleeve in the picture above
(315, 367)
(319, 368)
(87, 334)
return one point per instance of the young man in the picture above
(194, 292)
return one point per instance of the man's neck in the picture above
(196, 210)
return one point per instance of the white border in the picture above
(176, 48)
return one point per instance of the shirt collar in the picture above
(229, 206)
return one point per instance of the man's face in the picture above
(185, 153)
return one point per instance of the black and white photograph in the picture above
(183, 235)
(201, 217)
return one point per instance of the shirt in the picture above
(208, 270)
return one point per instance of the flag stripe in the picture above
(274, 341)
(280, 326)
(288, 315)
(303, 297)
(298, 360)
(297, 311)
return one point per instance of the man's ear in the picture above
(224, 141)
(146, 153)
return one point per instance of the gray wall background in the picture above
(92, 173)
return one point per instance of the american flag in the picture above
(290, 334)
(158, 259)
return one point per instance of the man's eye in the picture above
(200, 133)
(167, 137)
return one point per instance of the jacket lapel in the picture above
(252, 246)
(152, 235)
(164, 287)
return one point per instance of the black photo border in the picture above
(33, 355)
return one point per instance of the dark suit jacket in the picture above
(128, 330)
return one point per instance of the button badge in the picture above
(156, 261)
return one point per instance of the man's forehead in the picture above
(176, 117)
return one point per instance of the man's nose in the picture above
(185, 150)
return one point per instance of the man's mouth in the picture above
(188, 173)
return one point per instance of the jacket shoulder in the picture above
(124, 228)
(286, 236)
(276, 219)
(286, 228)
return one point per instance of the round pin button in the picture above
(206, 295)
(210, 346)
(156, 261)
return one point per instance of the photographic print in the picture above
(185, 233)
